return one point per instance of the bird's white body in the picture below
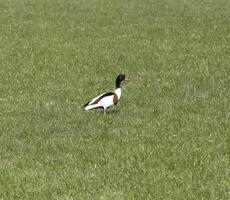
(104, 100)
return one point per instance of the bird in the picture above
(107, 99)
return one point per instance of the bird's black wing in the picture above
(98, 99)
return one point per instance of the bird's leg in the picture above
(104, 111)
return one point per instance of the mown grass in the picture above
(169, 136)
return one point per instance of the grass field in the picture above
(169, 136)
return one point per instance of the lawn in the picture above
(168, 138)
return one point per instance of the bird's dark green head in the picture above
(120, 78)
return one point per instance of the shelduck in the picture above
(107, 99)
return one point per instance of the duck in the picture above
(107, 99)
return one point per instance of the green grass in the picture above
(169, 137)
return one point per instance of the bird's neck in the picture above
(118, 84)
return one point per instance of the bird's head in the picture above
(120, 78)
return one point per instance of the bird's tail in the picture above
(86, 104)
(90, 107)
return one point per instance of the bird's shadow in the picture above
(108, 112)
(111, 111)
